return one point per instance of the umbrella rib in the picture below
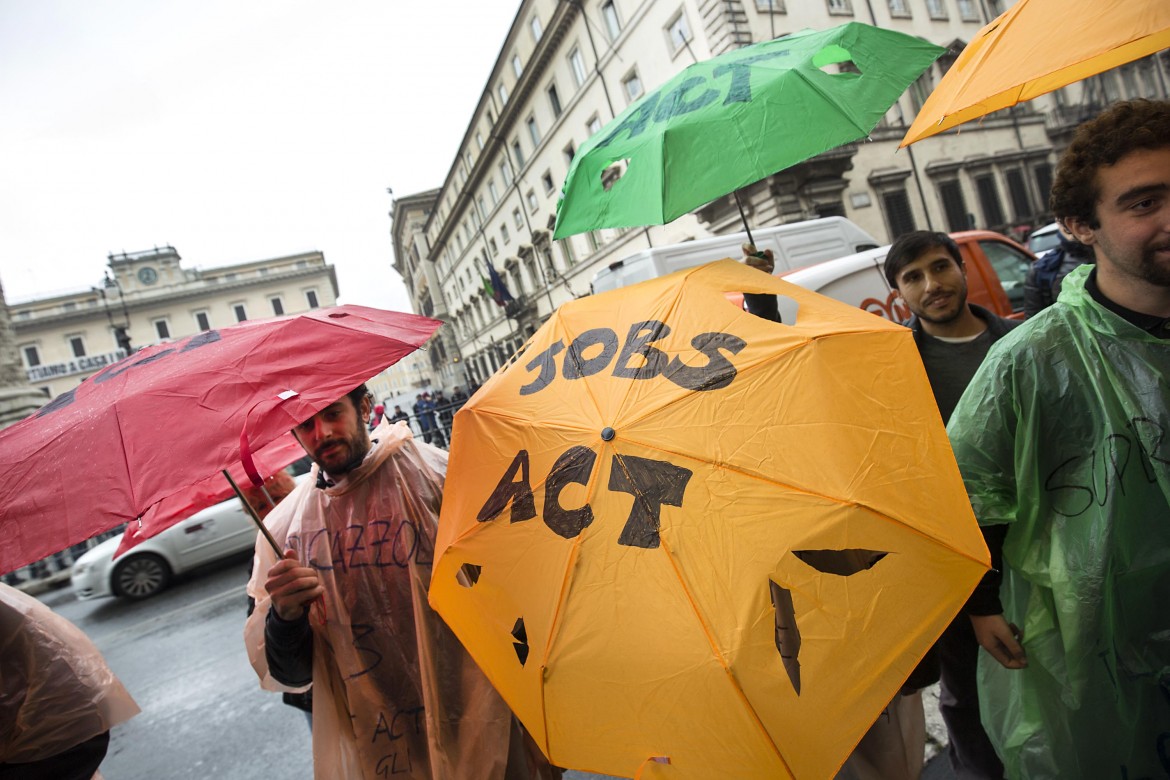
(722, 659)
(805, 491)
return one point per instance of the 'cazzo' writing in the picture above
(377, 544)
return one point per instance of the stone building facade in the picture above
(569, 66)
(148, 297)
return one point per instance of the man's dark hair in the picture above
(912, 245)
(1119, 130)
(356, 395)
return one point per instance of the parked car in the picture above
(210, 535)
(1040, 241)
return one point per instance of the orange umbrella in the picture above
(682, 539)
(1037, 46)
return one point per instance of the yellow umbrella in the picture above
(685, 540)
(1037, 46)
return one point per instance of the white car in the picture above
(1047, 237)
(142, 571)
(214, 533)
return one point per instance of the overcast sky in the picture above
(233, 131)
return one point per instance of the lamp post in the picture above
(121, 334)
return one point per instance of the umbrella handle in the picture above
(255, 517)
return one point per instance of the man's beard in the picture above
(357, 453)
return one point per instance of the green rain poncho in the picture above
(1065, 434)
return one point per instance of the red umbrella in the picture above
(179, 506)
(173, 414)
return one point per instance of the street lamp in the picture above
(121, 334)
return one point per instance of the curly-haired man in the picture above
(1063, 439)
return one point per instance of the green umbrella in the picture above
(729, 121)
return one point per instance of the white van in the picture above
(795, 245)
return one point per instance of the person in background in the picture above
(1042, 284)
(58, 698)
(1063, 440)
(953, 337)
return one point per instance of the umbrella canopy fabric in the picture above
(199, 495)
(1037, 46)
(734, 119)
(175, 413)
(673, 531)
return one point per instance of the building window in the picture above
(202, 321)
(517, 153)
(230, 277)
(311, 298)
(493, 246)
(277, 306)
(899, 9)
(920, 90)
(678, 32)
(532, 202)
(840, 7)
(505, 173)
(967, 11)
(570, 151)
(32, 358)
(632, 86)
(899, 216)
(518, 219)
(594, 124)
(479, 140)
(77, 344)
(567, 252)
(537, 30)
(989, 202)
(240, 312)
(504, 234)
(554, 100)
(533, 130)
(1043, 174)
(517, 67)
(546, 180)
(954, 204)
(770, 6)
(577, 66)
(937, 9)
(162, 329)
(502, 91)
(492, 192)
(69, 306)
(609, 15)
(1018, 192)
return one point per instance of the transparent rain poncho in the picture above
(394, 693)
(56, 690)
(1065, 434)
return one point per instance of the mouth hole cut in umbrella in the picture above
(843, 563)
(521, 644)
(468, 574)
(836, 55)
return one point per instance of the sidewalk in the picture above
(55, 580)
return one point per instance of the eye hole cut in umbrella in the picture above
(840, 562)
(469, 574)
(613, 172)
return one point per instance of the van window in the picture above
(1011, 266)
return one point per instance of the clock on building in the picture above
(147, 275)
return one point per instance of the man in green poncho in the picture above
(1063, 438)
